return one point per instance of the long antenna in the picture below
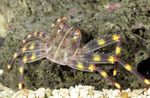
(62, 42)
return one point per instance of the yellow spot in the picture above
(29, 36)
(124, 95)
(147, 81)
(41, 34)
(118, 50)
(116, 37)
(21, 70)
(128, 67)
(101, 41)
(32, 46)
(104, 74)
(111, 59)
(35, 34)
(20, 85)
(75, 37)
(59, 20)
(24, 49)
(53, 25)
(24, 59)
(96, 58)
(8, 66)
(24, 41)
(91, 68)
(80, 65)
(117, 85)
(58, 31)
(33, 57)
(114, 72)
(15, 55)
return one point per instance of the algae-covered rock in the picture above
(2, 26)
(129, 18)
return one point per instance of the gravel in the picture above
(79, 91)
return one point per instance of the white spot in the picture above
(1, 71)
(59, 20)
(29, 36)
(53, 25)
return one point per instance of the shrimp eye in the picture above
(61, 27)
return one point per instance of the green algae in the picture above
(131, 20)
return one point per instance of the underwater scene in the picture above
(74, 48)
